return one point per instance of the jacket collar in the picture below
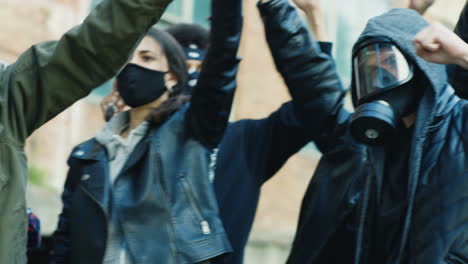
(93, 178)
(89, 150)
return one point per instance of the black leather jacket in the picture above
(170, 212)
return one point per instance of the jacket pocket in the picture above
(455, 259)
(204, 225)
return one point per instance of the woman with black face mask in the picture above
(141, 191)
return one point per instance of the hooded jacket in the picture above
(335, 223)
(48, 78)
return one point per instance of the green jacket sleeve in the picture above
(51, 76)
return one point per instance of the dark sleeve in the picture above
(50, 76)
(458, 77)
(61, 236)
(310, 74)
(212, 97)
(270, 142)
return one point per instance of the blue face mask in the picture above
(192, 79)
(139, 86)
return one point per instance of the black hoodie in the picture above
(335, 224)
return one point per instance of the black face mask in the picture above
(192, 80)
(139, 86)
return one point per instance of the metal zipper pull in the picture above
(205, 227)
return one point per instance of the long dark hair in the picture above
(176, 61)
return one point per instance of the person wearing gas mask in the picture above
(141, 191)
(391, 183)
(44, 81)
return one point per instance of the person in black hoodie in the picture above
(391, 184)
(252, 151)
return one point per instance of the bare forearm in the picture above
(315, 17)
(316, 21)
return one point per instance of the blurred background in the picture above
(26, 22)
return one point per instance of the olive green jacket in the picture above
(47, 79)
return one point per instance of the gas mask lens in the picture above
(379, 67)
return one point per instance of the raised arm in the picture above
(309, 73)
(271, 141)
(315, 17)
(437, 44)
(51, 76)
(212, 97)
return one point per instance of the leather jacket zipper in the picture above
(165, 202)
(204, 225)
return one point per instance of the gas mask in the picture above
(383, 90)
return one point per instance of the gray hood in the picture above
(401, 26)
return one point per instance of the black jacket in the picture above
(252, 151)
(169, 211)
(433, 228)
